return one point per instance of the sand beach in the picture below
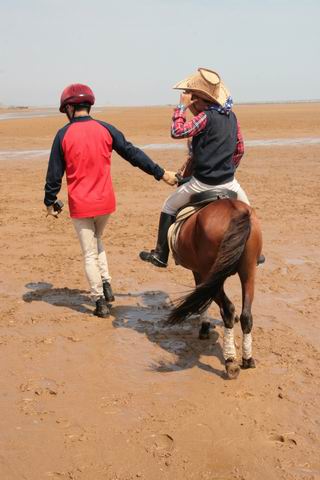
(126, 397)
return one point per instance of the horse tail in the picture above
(229, 253)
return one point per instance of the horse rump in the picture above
(226, 263)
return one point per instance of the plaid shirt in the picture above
(239, 151)
(180, 128)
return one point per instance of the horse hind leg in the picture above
(227, 311)
(204, 331)
(246, 320)
(247, 271)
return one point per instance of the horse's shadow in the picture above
(148, 317)
(61, 297)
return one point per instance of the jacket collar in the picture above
(81, 119)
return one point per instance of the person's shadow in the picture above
(62, 297)
(148, 317)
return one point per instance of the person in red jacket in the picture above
(82, 149)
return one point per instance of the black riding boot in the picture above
(159, 256)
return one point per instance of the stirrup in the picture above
(261, 260)
(157, 262)
(152, 258)
(146, 256)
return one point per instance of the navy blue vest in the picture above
(214, 147)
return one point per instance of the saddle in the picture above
(208, 196)
(197, 201)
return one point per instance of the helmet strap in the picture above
(70, 114)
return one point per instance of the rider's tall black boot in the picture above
(159, 256)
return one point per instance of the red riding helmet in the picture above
(76, 94)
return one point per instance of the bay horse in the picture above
(221, 239)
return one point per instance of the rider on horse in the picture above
(217, 148)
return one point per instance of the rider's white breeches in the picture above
(90, 232)
(182, 195)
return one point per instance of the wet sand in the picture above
(127, 397)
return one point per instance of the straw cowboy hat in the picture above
(207, 83)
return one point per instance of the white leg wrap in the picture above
(247, 346)
(229, 349)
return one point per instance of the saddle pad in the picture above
(174, 229)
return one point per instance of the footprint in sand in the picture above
(160, 444)
(283, 438)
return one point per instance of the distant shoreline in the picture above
(271, 102)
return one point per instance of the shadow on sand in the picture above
(146, 314)
(148, 317)
(61, 297)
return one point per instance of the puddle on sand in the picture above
(23, 154)
(38, 285)
(150, 312)
(148, 317)
(147, 314)
(28, 154)
(278, 142)
(27, 114)
(295, 261)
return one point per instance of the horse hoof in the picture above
(248, 363)
(236, 319)
(232, 368)
(204, 332)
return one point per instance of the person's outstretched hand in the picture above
(169, 177)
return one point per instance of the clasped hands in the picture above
(170, 178)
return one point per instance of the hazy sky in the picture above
(132, 52)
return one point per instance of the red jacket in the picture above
(83, 150)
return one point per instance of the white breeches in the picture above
(90, 232)
(182, 194)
